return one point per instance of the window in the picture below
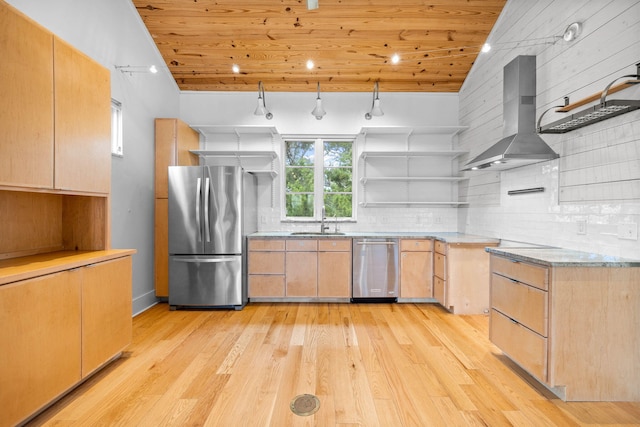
(117, 145)
(318, 173)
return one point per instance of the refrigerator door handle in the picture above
(198, 192)
(205, 260)
(206, 210)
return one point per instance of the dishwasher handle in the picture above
(376, 243)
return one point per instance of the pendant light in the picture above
(318, 112)
(261, 109)
(375, 105)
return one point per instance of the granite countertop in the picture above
(447, 237)
(558, 257)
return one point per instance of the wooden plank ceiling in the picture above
(351, 43)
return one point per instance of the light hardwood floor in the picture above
(369, 364)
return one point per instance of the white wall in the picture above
(345, 116)
(597, 178)
(111, 32)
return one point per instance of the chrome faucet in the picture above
(323, 227)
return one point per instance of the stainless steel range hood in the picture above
(521, 144)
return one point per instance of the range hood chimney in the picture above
(521, 144)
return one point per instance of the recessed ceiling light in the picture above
(485, 48)
(395, 58)
(153, 69)
(235, 68)
(310, 64)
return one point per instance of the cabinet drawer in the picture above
(526, 304)
(416, 245)
(266, 245)
(337, 245)
(441, 247)
(266, 286)
(302, 245)
(440, 265)
(530, 274)
(266, 262)
(524, 346)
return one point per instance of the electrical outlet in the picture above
(628, 231)
(582, 226)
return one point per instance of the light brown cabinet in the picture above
(461, 276)
(295, 269)
(334, 268)
(82, 112)
(572, 327)
(26, 101)
(40, 338)
(61, 320)
(301, 277)
(61, 327)
(174, 139)
(266, 268)
(416, 271)
(106, 312)
(56, 133)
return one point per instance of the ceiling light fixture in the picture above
(137, 69)
(375, 105)
(235, 68)
(485, 48)
(395, 58)
(261, 109)
(310, 64)
(318, 112)
(312, 4)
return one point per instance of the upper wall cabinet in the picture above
(26, 102)
(55, 127)
(82, 122)
(409, 166)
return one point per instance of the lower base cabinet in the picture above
(57, 329)
(40, 337)
(572, 327)
(461, 277)
(299, 269)
(106, 312)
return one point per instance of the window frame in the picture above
(318, 177)
(117, 140)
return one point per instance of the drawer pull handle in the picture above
(513, 280)
(515, 261)
(513, 321)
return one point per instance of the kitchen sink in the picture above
(315, 233)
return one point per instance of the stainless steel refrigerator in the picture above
(211, 210)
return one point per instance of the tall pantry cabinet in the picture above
(65, 294)
(174, 139)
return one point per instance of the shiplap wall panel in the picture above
(597, 177)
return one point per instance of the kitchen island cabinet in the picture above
(569, 319)
(416, 269)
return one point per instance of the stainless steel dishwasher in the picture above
(375, 270)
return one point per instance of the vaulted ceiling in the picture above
(351, 43)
